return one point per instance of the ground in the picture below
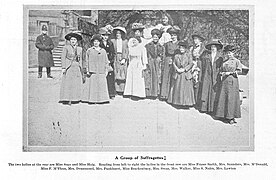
(152, 124)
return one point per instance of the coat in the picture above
(45, 46)
(228, 98)
(156, 55)
(181, 91)
(72, 79)
(209, 80)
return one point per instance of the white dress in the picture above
(135, 84)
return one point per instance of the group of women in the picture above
(153, 64)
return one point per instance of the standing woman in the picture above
(211, 60)
(135, 84)
(181, 91)
(121, 55)
(72, 77)
(155, 54)
(170, 49)
(164, 27)
(97, 65)
(137, 29)
(109, 48)
(148, 28)
(228, 103)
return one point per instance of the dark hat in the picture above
(230, 48)
(183, 43)
(44, 28)
(96, 37)
(122, 29)
(76, 35)
(214, 42)
(198, 36)
(104, 31)
(156, 32)
(174, 30)
(137, 26)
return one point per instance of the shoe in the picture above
(232, 121)
(39, 76)
(49, 76)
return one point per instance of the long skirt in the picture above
(152, 78)
(95, 89)
(166, 78)
(228, 99)
(206, 98)
(111, 84)
(120, 72)
(181, 91)
(135, 83)
(71, 84)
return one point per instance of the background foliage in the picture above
(230, 26)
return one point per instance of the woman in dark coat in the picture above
(228, 103)
(97, 65)
(109, 48)
(121, 58)
(181, 91)
(45, 46)
(170, 49)
(155, 54)
(72, 77)
(211, 60)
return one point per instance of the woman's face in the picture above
(155, 38)
(137, 33)
(174, 37)
(229, 54)
(96, 43)
(118, 34)
(73, 41)
(196, 40)
(182, 49)
(148, 22)
(105, 37)
(165, 20)
(214, 48)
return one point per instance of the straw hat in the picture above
(122, 29)
(214, 42)
(75, 34)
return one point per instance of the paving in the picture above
(152, 124)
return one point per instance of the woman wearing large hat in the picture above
(156, 55)
(228, 102)
(109, 48)
(211, 60)
(72, 70)
(137, 29)
(181, 91)
(121, 58)
(97, 64)
(170, 49)
(196, 50)
(163, 27)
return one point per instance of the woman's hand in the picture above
(123, 61)
(63, 71)
(181, 70)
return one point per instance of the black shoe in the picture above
(49, 76)
(39, 76)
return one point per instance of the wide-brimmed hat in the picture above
(44, 28)
(96, 37)
(174, 30)
(198, 36)
(75, 34)
(183, 43)
(122, 29)
(214, 42)
(104, 31)
(151, 17)
(137, 26)
(230, 48)
(156, 32)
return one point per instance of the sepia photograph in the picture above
(119, 78)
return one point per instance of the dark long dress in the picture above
(209, 81)
(181, 91)
(155, 54)
(170, 49)
(228, 103)
(109, 48)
